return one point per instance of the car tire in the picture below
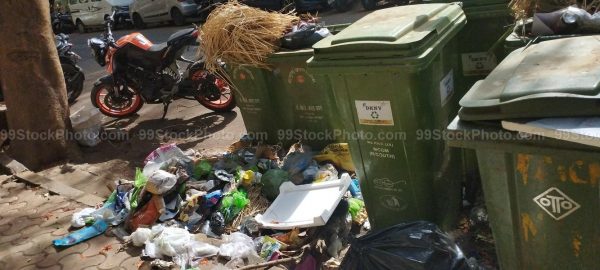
(369, 4)
(138, 23)
(177, 17)
(81, 27)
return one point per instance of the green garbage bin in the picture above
(392, 76)
(514, 41)
(482, 39)
(542, 194)
(254, 101)
(481, 50)
(288, 104)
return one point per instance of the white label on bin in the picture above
(479, 63)
(447, 87)
(556, 203)
(374, 113)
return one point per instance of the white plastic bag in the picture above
(161, 180)
(87, 124)
(172, 241)
(140, 236)
(237, 245)
(158, 157)
(200, 249)
(78, 219)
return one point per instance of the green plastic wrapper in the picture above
(232, 204)
(202, 169)
(354, 206)
(138, 185)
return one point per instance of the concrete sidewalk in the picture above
(31, 218)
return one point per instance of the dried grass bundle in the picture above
(239, 34)
(523, 9)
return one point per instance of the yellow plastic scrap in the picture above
(247, 177)
(338, 154)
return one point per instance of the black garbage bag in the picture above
(304, 36)
(416, 245)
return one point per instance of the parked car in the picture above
(156, 11)
(91, 13)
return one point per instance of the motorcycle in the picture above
(62, 23)
(142, 72)
(72, 73)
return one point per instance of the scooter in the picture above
(73, 74)
(62, 23)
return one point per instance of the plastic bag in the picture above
(326, 172)
(304, 35)
(217, 223)
(148, 214)
(237, 246)
(416, 245)
(232, 204)
(200, 249)
(140, 236)
(211, 199)
(160, 182)
(271, 181)
(108, 213)
(155, 160)
(354, 207)
(87, 124)
(202, 169)
(310, 173)
(138, 185)
(79, 219)
(172, 241)
(338, 154)
(297, 161)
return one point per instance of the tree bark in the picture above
(33, 84)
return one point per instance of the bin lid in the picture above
(472, 3)
(553, 78)
(403, 30)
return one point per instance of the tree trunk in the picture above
(34, 88)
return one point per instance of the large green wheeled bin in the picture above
(542, 197)
(542, 194)
(481, 49)
(393, 77)
(287, 104)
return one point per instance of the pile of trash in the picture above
(571, 20)
(301, 209)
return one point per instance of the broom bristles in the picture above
(241, 35)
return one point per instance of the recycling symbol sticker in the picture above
(374, 112)
(556, 203)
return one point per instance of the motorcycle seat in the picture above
(179, 35)
(158, 47)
